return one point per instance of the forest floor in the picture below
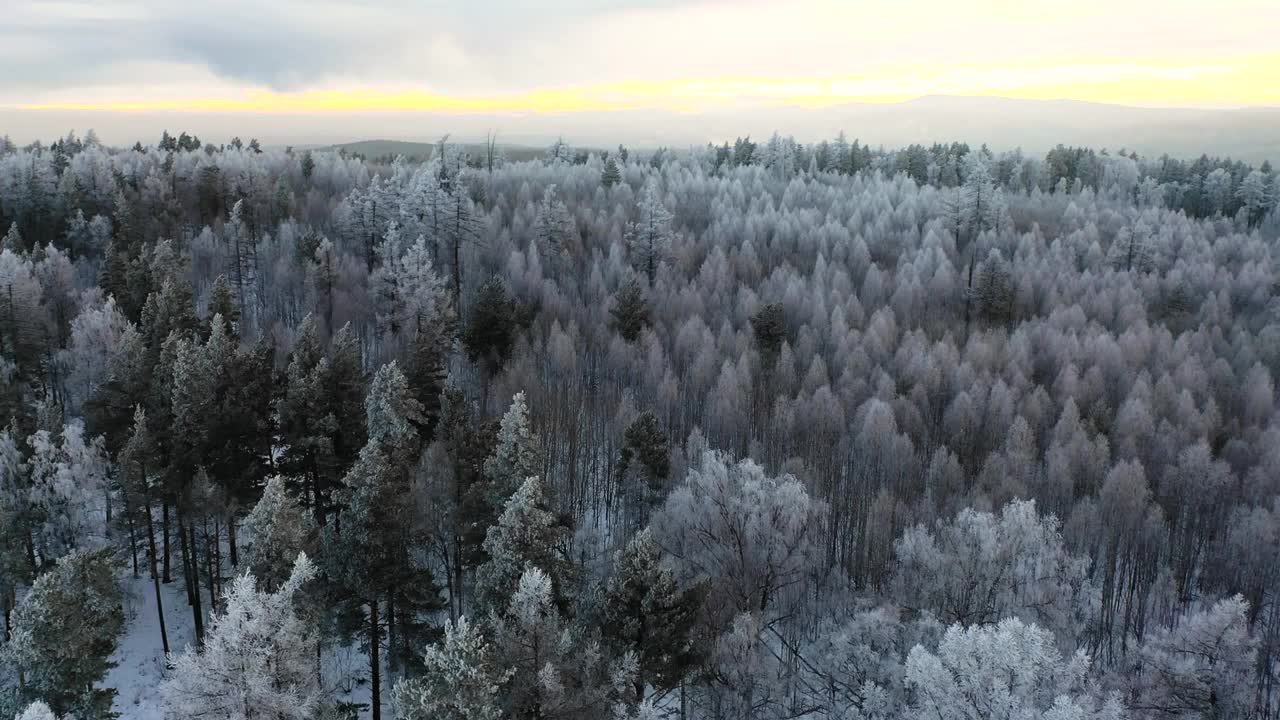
(140, 664)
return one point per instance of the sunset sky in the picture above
(684, 55)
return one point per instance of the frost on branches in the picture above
(258, 660)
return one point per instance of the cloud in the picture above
(79, 50)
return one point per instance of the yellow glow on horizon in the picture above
(1248, 80)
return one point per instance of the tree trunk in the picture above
(208, 564)
(457, 274)
(133, 539)
(233, 552)
(375, 669)
(164, 520)
(392, 651)
(155, 577)
(10, 599)
(191, 568)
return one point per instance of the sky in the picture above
(132, 57)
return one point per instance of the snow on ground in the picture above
(139, 657)
(140, 665)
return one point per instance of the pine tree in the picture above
(308, 165)
(65, 631)
(280, 532)
(490, 334)
(461, 679)
(320, 413)
(12, 239)
(370, 551)
(426, 370)
(993, 290)
(649, 238)
(644, 466)
(409, 296)
(468, 442)
(461, 224)
(770, 330)
(239, 426)
(630, 311)
(258, 660)
(610, 176)
(553, 227)
(222, 303)
(516, 456)
(17, 521)
(646, 613)
(528, 534)
(556, 671)
(68, 482)
(137, 477)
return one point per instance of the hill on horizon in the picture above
(1249, 134)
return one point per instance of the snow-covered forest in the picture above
(765, 430)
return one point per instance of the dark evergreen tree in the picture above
(222, 303)
(644, 466)
(370, 552)
(647, 613)
(610, 176)
(630, 311)
(65, 631)
(490, 332)
(770, 331)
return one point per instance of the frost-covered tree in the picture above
(279, 531)
(516, 456)
(1133, 250)
(980, 568)
(750, 537)
(528, 534)
(554, 227)
(1011, 670)
(12, 239)
(462, 679)
(556, 671)
(1200, 669)
(17, 519)
(1216, 187)
(558, 152)
(258, 658)
(40, 711)
(853, 665)
(96, 334)
(68, 491)
(1253, 196)
(649, 237)
(64, 632)
(408, 293)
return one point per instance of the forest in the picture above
(764, 430)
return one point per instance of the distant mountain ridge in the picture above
(1250, 134)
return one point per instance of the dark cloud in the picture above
(284, 44)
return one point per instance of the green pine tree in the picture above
(64, 633)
